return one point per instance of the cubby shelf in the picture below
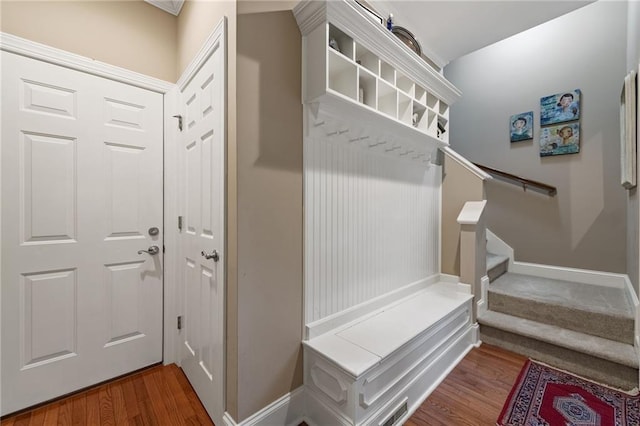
(351, 58)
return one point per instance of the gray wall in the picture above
(269, 172)
(459, 185)
(584, 226)
(633, 204)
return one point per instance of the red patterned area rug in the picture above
(544, 396)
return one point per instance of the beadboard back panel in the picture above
(372, 225)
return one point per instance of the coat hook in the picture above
(321, 123)
(179, 117)
(332, 133)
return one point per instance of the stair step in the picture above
(596, 358)
(620, 353)
(590, 309)
(496, 265)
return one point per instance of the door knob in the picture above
(214, 255)
(152, 250)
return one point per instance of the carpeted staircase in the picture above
(585, 329)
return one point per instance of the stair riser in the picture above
(597, 324)
(498, 270)
(590, 367)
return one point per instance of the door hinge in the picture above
(179, 117)
(163, 249)
(180, 223)
(180, 322)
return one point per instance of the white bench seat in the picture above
(358, 372)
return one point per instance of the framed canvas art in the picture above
(560, 139)
(560, 107)
(521, 127)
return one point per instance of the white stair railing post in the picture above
(473, 249)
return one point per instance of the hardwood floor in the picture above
(474, 392)
(159, 395)
(472, 395)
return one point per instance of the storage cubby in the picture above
(432, 123)
(405, 84)
(367, 59)
(387, 99)
(343, 75)
(432, 101)
(405, 108)
(444, 110)
(419, 117)
(387, 73)
(368, 83)
(443, 128)
(345, 44)
(420, 95)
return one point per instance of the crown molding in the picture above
(170, 6)
(52, 55)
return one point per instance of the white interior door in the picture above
(201, 205)
(81, 187)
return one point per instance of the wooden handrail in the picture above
(526, 183)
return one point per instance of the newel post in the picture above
(473, 248)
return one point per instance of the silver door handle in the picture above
(214, 255)
(152, 250)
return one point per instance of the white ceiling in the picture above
(449, 29)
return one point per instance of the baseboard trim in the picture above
(288, 410)
(227, 420)
(584, 276)
(448, 278)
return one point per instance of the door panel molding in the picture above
(52, 55)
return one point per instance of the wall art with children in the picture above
(560, 123)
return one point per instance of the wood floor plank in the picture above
(23, 420)
(51, 416)
(168, 399)
(182, 402)
(93, 406)
(119, 409)
(79, 410)
(106, 406)
(197, 406)
(155, 397)
(65, 412)
(147, 415)
(130, 400)
(37, 416)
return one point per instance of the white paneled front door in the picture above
(201, 204)
(81, 192)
